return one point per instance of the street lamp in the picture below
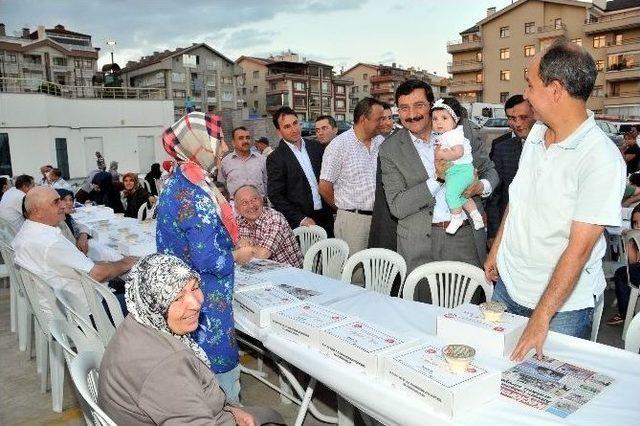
(112, 44)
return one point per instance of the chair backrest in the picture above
(146, 184)
(7, 227)
(632, 339)
(327, 257)
(308, 236)
(8, 256)
(597, 316)
(142, 212)
(84, 371)
(37, 289)
(381, 266)
(451, 283)
(77, 319)
(73, 339)
(96, 293)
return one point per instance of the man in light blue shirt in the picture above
(548, 252)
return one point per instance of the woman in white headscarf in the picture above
(153, 371)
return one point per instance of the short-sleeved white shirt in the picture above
(11, 207)
(351, 167)
(44, 250)
(580, 179)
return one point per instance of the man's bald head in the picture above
(42, 204)
(249, 202)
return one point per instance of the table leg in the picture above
(302, 412)
(345, 412)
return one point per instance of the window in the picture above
(10, 57)
(479, 77)
(577, 41)
(365, 76)
(597, 91)
(529, 50)
(479, 56)
(623, 61)
(525, 73)
(226, 80)
(177, 77)
(325, 87)
(365, 88)
(61, 62)
(244, 90)
(505, 75)
(5, 155)
(211, 94)
(617, 39)
(298, 85)
(326, 102)
(599, 41)
(77, 63)
(340, 103)
(600, 65)
(256, 75)
(256, 105)
(504, 53)
(504, 32)
(179, 94)
(211, 108)
(503, 97)
(62, 157)
(340, 90)
(87, 64)
(557, 24)
(529, 27)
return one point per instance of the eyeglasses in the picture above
(417, 105)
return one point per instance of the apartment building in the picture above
(490, 61)
(252, 84)
(309, 87)
(54, 55)
(381, 81)
(199, 72)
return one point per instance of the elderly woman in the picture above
(153, 371)
(134, 195)
(105, 193)
(190, 226)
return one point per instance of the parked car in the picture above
(308, 128)
(492, 128)
(611, 131)
(496, 123)
(343, 126)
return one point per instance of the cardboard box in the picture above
(303, 323)
(359, 344)
(465, 324)
(257, 304)
(423, 372)
(243, 282)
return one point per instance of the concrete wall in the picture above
(34, 121)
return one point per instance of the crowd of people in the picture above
(537, 202)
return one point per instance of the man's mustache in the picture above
(413, 119)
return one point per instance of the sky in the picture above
(337, 32)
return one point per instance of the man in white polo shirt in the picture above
(568, 187)
(41, 248)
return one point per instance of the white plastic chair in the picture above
(84, 371)
(49, 355)
(632, 235)
(615, 248)
(308, 236)
(451, 283)
(96, 293)
(381, 266)
(597, 317)
(146, 184)
(632, 342)
(145, 212)
(20, 311)
(327, 257)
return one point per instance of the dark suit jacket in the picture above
(289, 190)
(405, 186)
(506, 156)
(383, 230)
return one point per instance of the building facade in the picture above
(309, 87)
(54, 55)
(197, 74)
(489, 63)
(252, 84)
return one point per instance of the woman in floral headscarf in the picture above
(153, 371)
(193, 224)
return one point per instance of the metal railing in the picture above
(626, 94)
(549, 28)
(32, 85)
(461, 41)
(624, 41)
(614, 17)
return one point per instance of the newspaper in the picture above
(300, 293)
(553, 386)
(257, 266)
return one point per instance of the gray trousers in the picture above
(354, 229)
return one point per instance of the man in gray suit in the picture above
(413, 185)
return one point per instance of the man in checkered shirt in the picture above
(264, 229)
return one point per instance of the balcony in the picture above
(456, 46)
(622, 73)
(286, 76)
(276, 91)
(464, 66)
(386, 78)
(465, 86)
(381, 90)
(550, 31)
(627, 45)
(622, 98)
(613, 22)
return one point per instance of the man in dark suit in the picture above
(293, 169)
(505, 154)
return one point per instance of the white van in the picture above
(479, 112)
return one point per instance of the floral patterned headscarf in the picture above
(153, 284)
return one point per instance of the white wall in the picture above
(34, 121)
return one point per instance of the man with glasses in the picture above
(414, 187)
